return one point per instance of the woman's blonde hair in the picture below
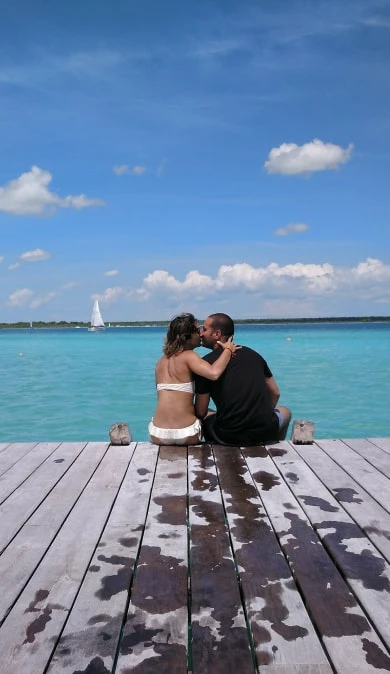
(179, 332)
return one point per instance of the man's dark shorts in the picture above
(211, 435)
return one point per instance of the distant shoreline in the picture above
(238, 321)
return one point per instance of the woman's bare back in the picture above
(175, 409)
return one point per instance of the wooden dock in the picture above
(237, 560)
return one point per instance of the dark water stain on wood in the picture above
(37, 625)
(173, 509)
(378, 532)
(161, 582)
(346, 495)
(318, 502)
(375, 656)
(276, 451)
(326, 593)
(365, 565)
(260, 559)
(128, 542)
(96, 666)
(112, 585)
(227, 652)
(170, 658)
(221, 646)
(94, 568)
(168, 536)
(293, 477)
(266, 480)
(100, 618)
(99, 638)
(143, 471)
(59, 460)
(204, 481)
(136, 633)
(40, 595)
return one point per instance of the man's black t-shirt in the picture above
(245, 414)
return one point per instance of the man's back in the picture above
(245, 413)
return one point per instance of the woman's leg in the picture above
(284, 415)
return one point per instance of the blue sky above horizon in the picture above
(201, 156)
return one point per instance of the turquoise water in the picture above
(61, 385)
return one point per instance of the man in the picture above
(245, 395)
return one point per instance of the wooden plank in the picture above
(373, 454)
(19, 560)
(282, 632)
(383, 443)
(350, 641)
(4, 445)
(364, 510)
(13, 453)
(17, 509)
(35, 622)
(220, 638)
(155, 636)
(91, 635)
(21, 470)
(376, 484)
(364, 568)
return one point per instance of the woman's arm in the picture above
(214, 371)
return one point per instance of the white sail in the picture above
(97, 322)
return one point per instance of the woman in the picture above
(174, 421)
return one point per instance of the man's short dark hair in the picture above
(224, 323)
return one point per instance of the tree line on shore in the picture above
(238, 321)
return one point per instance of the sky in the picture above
(202, 156)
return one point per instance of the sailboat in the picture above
(97, 322)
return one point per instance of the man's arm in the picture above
(202, 404)
(273, 389)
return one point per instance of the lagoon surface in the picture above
(71, 384)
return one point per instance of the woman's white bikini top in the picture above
(187, 387)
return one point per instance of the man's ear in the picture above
(218, 335)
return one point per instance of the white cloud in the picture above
(36, 255)
(20, 297)
(70, 285)
(25, 296)
(292, 159)
(29, 194)
(292, 228)
(292, 285)
(161, 167)
(42, 299)
(160, 281)
(315, 278)
(372, 268)
(111, 272)
(121, 169)
(1, 258)
(138, 170)
(16, 265)
(110, 294)
(79, 202)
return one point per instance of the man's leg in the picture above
(284, 415)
